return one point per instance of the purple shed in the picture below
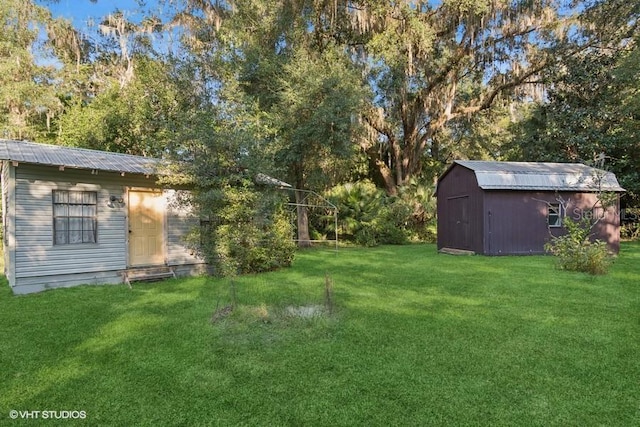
(503, 208)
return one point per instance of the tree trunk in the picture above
(389, 183)
(381, 173)
(304, 239)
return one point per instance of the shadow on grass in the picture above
(417, 338)
(106, 350)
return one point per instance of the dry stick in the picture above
(328, 293)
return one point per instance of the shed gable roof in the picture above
(77, 158)
(542, 176)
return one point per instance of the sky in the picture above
(82, 12)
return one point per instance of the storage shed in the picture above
(74, 216)
(501, 208)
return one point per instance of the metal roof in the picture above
(77, 158)
(492, 175)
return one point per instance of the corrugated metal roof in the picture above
(493, 175)
(78, 158)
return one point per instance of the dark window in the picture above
(75, 217)
(554, 215)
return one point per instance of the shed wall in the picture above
(179, 223)
(608, 228)
(39, 264)
(516, 222)
(460, 206)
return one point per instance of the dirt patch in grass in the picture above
(305, 311)
(267, 315)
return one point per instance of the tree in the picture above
(31, 67)
(140, 118)
(433, 64)
(219, 156)
(131, 38)
(315, 117)
(305, 86)
(591, 107)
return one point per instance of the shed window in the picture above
(75, 217)
(554, 215)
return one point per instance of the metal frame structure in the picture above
(322, 204)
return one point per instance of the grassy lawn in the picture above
(415, 338)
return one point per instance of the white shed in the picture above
(74, 216)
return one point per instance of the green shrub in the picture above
(393, 222)
(247, 232)
(368, 217)
(576, 252)
(630, 228)
(421, 202)
(358, 207)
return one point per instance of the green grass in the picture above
(416, 338)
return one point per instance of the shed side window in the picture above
(554, 215)
(75, 217)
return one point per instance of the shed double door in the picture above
(146, 228)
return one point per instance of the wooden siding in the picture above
(36, 255)
(28, 285)
(460, 224)
(516, 221)
(179, 223)
(608, 229)
(39, 264)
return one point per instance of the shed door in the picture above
(460, 227)
(146, 228)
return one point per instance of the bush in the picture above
(368, 217)
(393, 221)
(576, 252)
(421, 203)
(359, 205)
(248, 232)
(630, 228)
